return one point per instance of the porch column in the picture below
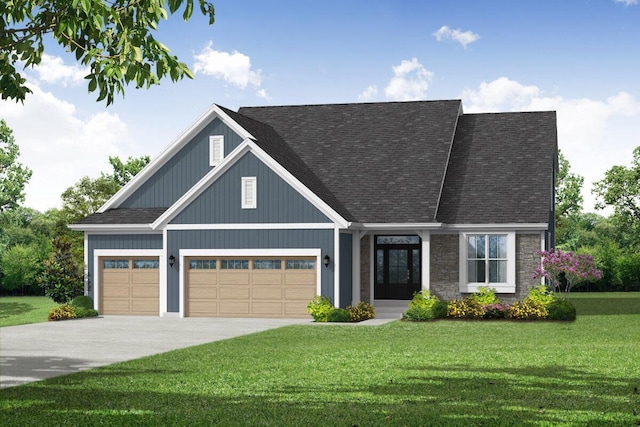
(355, 270)
(425, 235)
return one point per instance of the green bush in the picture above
(464, 309)
(561, 309)
(82, 302)
(361, 311)
(319, 308)
(62, 312)
(338, 315)
(540, 295)
(527, 310)
(85, 312)
(418, 313)
(483, 296)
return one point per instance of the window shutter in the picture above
(216, 149)
(249, 192)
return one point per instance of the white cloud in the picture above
(59, 146)
(457, 35)
(410, 81)
(234, 68)
(594, 135)
(368, 94)
(52, 70)
(627, 2)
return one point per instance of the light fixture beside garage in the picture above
(172, 260)
(326, 260)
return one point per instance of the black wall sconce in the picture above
(326, 260)
(172, 260)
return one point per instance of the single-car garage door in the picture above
(129, 285)
(249, 287)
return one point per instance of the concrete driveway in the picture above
(44, 350)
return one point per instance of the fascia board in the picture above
(111, 228)
(294, 182)
(499, 227)
(398, 226)
(177, 144)
(201, 185)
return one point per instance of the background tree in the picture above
(620, 188)
(20, 265)
(62, 277)
(124, 172)
(114, 38)
(568, 204)
(13, 175)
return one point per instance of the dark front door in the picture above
(398, 267)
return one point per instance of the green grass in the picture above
(441, 373)
(23, 310)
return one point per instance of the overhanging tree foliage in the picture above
(114, 38)
(13, 175)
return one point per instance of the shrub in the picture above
(361, 311)
(85, 312)
(319, 308)
(495, 311)
(82, 302)
(484, 296)
(540, 295)
(338, 315)
(421, 313)
(561, 309)
(62, 312)
(464, 309)
(62, 277)
(527, 310)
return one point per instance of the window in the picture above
(116, 263)
(267, 264)
(216, 149)
(146, 263)
(487, 260)
(202, 264)
(301, 264)
(249, 192)
(234, 264)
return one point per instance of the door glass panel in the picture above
(397, 240)
(398, 266)
(380, 266)
(415, 266)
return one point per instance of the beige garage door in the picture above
(130, 286)
(249, 287)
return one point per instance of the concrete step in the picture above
(390, 309)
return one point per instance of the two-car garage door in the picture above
(249, 287)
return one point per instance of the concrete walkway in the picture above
(43, 350)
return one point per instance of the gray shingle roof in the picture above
(122, 216)
(501, 169)
(385, 162)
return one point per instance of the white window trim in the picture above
(502, 288)
(216, 149)
(249, 192)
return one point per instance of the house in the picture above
(253, 213)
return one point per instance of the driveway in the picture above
(44, 350)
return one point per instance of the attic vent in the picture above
(249, 192)
(216, 149)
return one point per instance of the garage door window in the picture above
(234, 264)
(146, 263)
(116, 263)
(300, 264)
(267, 264)
(202, 264)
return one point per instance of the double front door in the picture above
(398, 267)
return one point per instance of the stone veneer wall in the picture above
(444, 257)
(527, 259)
(365, 268)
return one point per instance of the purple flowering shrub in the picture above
(576, 268)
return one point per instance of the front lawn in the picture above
(446, 372)
(23, 310)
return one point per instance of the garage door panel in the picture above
(295, 309)
(129, 290)
(150, 277)
(145, 292)
(115, 276)
(267, 278)
(203, 292)
(301, 293)
(234, 307)
(234, 292)
(267, 293)
(267, 308)
(117, 306)
(144, 307)
(116, 291)
(203, 278)
(203, 308)
(306, 278)
(234, 278)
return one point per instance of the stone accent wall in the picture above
(365, 268)
(527, 259)
(444, 261)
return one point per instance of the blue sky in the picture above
(578, 57)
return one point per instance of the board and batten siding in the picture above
(277, 202)
(247, 239)
(183, 170)
(117, 241)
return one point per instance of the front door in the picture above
(398, 267)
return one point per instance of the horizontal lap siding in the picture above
(247, 239)
(278, 202)
(183, 170)
(118, 241)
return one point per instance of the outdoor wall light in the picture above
(172, 260)
(326, 260)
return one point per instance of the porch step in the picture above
(390, 309)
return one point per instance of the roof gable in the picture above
(361, 153)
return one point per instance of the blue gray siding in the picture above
(183, 170)
(278, 202)
(346, 266)
(246, 239)
(118, 241)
